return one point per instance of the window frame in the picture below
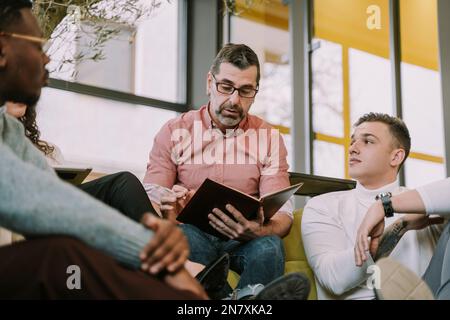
(131, 98)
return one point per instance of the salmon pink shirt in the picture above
(190, 148)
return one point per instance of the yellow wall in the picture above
(345, 22)
(419, 33)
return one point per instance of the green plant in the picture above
(50, 13)
(234, 7)
(66, 21)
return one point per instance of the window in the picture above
(110, 136)
(352, 75)
(421, 91)
(109, 118)
(264, 27)
(144, 57)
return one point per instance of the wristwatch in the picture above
(385, 198)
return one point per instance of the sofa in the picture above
(295, 253)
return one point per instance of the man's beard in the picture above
(228, 121)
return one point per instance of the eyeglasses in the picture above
(45, 43)
(228, 89)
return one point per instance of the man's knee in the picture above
(126, 177)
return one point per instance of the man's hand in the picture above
(171, 205)
(394, 233)
(167, 250)
(241, 229)
(373, 226)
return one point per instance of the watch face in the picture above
(382, 195)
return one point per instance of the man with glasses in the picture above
(218, 142)
(77, 247)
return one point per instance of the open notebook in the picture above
(212, 195)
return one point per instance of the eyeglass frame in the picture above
(234, 89)
(45, 43)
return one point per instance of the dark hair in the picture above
(397, 128)
(32, 131)
(10, 11)
(239, 55)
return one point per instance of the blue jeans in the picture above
(257, 261)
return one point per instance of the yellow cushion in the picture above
(233, 278)
(293, 244)
(295, 253)
(295, 256)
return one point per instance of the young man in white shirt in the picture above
(379, 146)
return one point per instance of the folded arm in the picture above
(35, 202)
(415, 204)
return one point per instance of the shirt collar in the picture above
(367, 196)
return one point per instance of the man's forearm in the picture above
(408, 202)
(390, 238)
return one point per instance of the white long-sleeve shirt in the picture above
(329, 226)
(436, 197)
